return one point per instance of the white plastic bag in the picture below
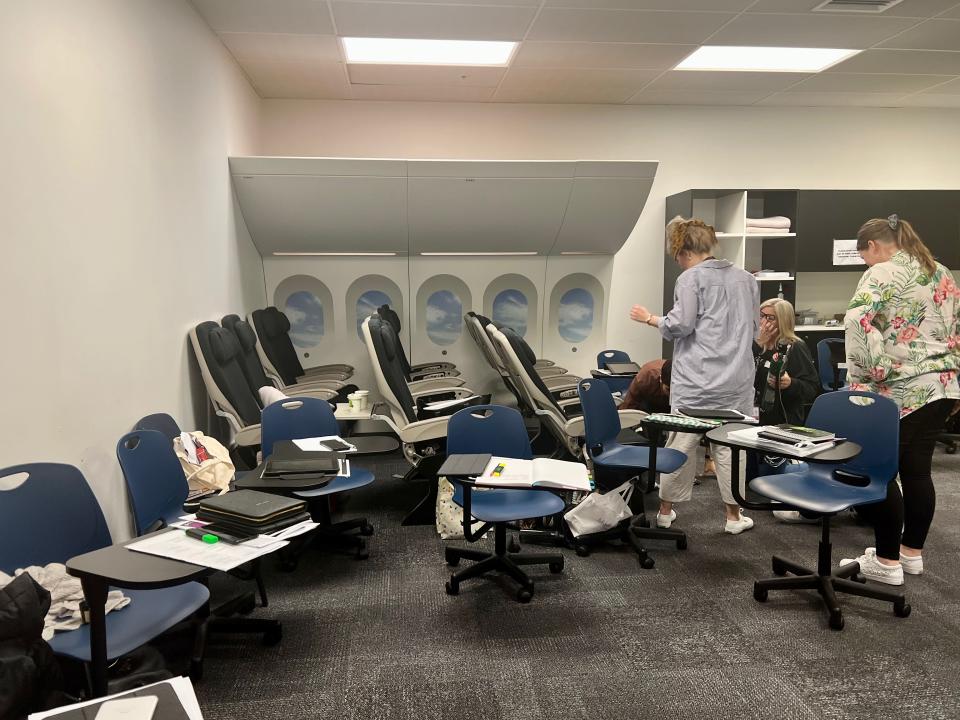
(596, 512)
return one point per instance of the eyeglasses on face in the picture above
(768, 317)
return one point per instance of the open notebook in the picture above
(541, 472)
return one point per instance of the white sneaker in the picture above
(912, 565)
(793, 516)
(873, 569)
(664, 521)
(735, 527)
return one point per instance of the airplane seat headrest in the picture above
(389, 339)
(271, 322)
(524, 351)
(223, 344)
(245, 335)
(390, 315)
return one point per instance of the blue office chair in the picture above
(161, 422)
(873, 422)
(601, 424)
(305, 417)
(831, 351)
(52, 516)
(616, 384)
(500, 431)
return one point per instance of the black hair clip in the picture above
(893, 221)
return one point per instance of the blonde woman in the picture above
(786, 380)
(903, 341)
(712, 326)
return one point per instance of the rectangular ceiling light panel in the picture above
(763, 59)
(399, 51)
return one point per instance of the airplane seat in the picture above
(279, 357)
(418, 371)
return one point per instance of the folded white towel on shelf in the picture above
(776, 222)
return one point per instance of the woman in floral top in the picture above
(903, 342)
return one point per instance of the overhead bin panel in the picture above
(317, 166)
(307, 213)
(491, 168)
(602, 213)
(477, 214)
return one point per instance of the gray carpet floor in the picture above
(379, 638)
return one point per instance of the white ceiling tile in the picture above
(668, 97)
(822, 30)
(298, 80)
(949, 88)
(867, 82)
(674, 5)
(444, 22)
(517, 3)
(933, 100)
(421, 93)
(435, 75)
(632, 26)
(275, 16)
(281, 46)
(571, 86)
(834, 99)
(695, 81)
(902, 62)
(599, 55)
(930, 35)
(907, 8)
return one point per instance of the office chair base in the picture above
(338, 535)
(500, 561)
(844, 579)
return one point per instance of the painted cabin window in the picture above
(510, 308)
(367, 305)
(575, 315)
(444, 317)
(305, 311)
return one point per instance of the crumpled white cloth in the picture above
(65, 596)
(270, 395)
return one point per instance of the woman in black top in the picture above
(786, 380)
(785, 383)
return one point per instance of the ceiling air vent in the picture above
(859, 6)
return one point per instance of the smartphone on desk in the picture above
(134, 708)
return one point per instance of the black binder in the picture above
(251, 509)
(465, 465)
(623, 368)
(287, 460)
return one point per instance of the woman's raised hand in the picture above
(638, 313)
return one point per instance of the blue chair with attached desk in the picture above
(304, 417)
(157, 490)
(618, 384)
(500, 431)
(52, 516)
(619, 462)
(873, 422)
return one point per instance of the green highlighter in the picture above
(199, 534)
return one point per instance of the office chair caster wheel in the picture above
(248, 606)
(452, 559)
(525, 594)
(902, 609)
(760, 594)
(513, 546)
(366, 529)
(288, 564)
(581, 550)
(778, 569)
(647, 562)
(273, 637)
(642, 522)
(556, 567)
(452, 587)
(681, 543)
(836, 621)
(951, 449)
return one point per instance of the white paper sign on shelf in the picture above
(845, 253)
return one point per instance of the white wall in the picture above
(118, 224)
(737, 148)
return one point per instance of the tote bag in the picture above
(598, 512)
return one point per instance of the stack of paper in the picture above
(177, 545)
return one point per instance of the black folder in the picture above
(250, 508)
(287, 459)
(464, 465)
(623, 368)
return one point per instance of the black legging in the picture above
(913, 509)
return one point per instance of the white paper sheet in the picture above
(845, 253)
(316, 444)
(219, 556)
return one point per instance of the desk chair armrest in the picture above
(439, 383)
(574, 427)
(569, 402)
(631, 418)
